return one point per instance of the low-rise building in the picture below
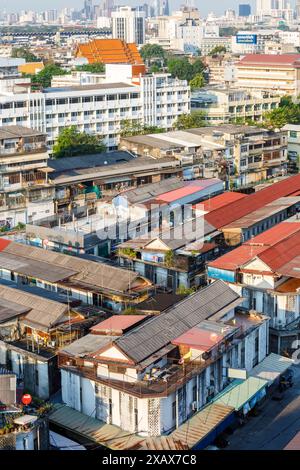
(25, 193)
(31, 330)
(264, 271)
(74, 278)
(231, 105)
(293, 147)
(276, 73)
(154, 378)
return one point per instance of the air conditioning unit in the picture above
(194, 406)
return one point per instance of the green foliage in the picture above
(155, 68)
(183, 69)
(152, 51)
(197, 82)
(218, 50)
(71, 142)
(44, 77)
(24, 53)
(129, 311)
(182, 290)
(20, 226)
(169, 259)
(287, 113)
(97, 67)
(130, 128)
(190, 121)
(128, 252)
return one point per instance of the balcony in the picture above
(164, 381)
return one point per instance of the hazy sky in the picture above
(204, 5)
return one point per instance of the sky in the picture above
(204, 6)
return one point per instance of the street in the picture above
(275, 426)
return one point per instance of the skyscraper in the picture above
(88, 9)
(298, 9)
(160, 8)
(128, 23)
(244, 10)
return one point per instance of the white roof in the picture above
(26, 419)
(271, 367)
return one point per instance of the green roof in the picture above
(241, 392)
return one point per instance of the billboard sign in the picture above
(246, 39)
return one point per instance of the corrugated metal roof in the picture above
(220, 201)
(273, 247)
(198, 338)
(271, 367)
(201, 424)
(159, 331)
(238, 209)
(53, 266)
(102, 433)
(41, 311)
(240, 393)
(87, 344)
(282, 253)
(118, 323)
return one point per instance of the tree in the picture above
(44, 77)
(197, 82)
(24, 53)
(72, 142)
(155, 68)
(130, 128)
(198, 67)
(218, 50)
(276, 119)
(152, 51)
(190, 121)
(97, 67)
(180, 68)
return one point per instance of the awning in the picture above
(196, 431)
(243, 394)
(104, 434)
(271, 367)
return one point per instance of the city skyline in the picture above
(214, 5)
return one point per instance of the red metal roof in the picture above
(236, 258)
(282, 253)
(4, 243)
(274, 60)
(238, 209)
(276, 236)
(219, 201)
(172, 196)
(118, 323)
(197, 338)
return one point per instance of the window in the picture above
(87, 99)
(174, 410)
(293, 134)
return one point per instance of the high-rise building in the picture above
(298, 9)
(244, 9)
(160, 8)
(129, 24)
(88, 9)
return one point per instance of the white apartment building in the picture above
(98, 108)
(223, 105)
(128, 23)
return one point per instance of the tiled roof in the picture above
(290, 60)
(110, 51)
